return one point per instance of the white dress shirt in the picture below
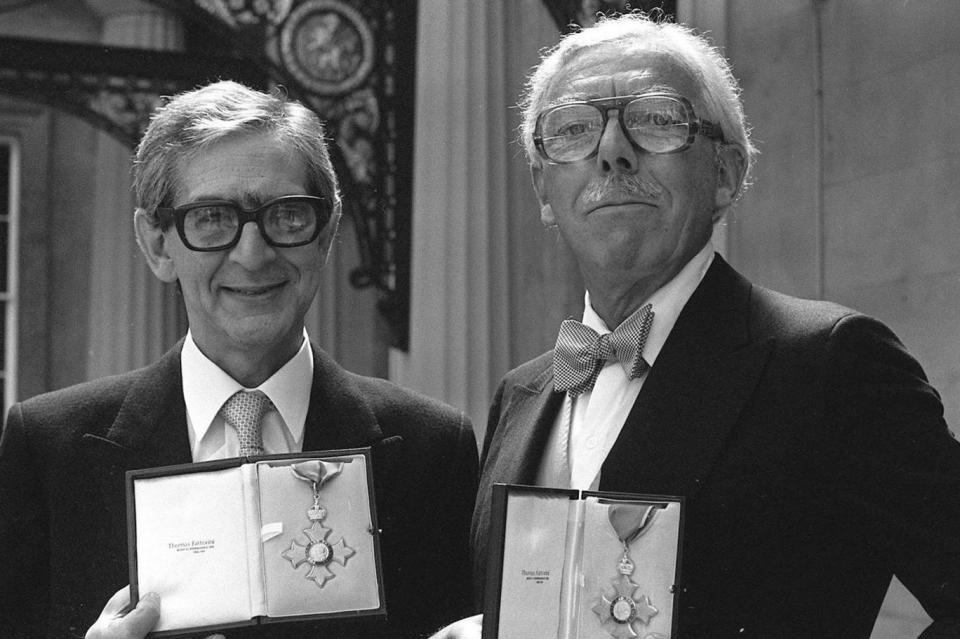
(589, 424)
(206, 387)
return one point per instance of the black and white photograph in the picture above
(479, 319)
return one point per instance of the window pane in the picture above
(4, 179)
(4, 249)
(3, 350)
(3, 343)
(4, 215)
(8, 361)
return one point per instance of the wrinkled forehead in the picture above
(619, 69)
(244, 166)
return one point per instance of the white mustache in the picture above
(617, 186)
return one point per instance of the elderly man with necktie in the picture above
(810, 449)
(237, 203)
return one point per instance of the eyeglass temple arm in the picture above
(709, 129)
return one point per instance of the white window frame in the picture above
(10, 296)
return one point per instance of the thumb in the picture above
(144, 617)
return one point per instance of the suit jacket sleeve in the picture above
(429, 485)
(900, 474)
(23, 533)
(480, 523)
(452, 559)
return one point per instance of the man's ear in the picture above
(547, 218)
(153, 244)
(731, 164)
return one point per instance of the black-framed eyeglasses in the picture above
(216, 225)
(653, 122)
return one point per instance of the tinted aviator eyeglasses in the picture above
(653, 122)
(216, 225)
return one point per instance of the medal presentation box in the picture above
(238, 542)
(570, 564)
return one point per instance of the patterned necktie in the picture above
(580, 353)
(243, 411)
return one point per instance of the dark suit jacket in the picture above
(813, 454)
(62, 497)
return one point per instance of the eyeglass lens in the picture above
(572, 132)
(285, 223)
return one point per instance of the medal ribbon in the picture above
(630, 521)
(316, 471)
(318, 552)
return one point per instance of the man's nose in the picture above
(615, 152)
(252, 251)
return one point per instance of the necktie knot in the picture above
(244, 411)
(581, 353)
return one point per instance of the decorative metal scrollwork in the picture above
(349, 60)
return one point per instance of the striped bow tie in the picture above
(581, 353)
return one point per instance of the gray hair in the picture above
(192, 120)
(720, 90)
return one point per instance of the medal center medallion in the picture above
(623, 609)
(319, 553)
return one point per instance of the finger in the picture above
(143, 618)
(469, 628)
(119, 602)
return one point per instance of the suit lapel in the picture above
(528, 419)
(150, 430)
(516, 449)
(341, 416)
(693, 394)
(338, 416)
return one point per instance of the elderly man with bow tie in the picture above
(810, 448)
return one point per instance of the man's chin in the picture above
(262, 333)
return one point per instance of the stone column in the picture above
(133, 316)
(459, 316)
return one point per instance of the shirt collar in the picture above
(206, 387)
(667, 302)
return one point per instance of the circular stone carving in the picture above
(327, 46)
